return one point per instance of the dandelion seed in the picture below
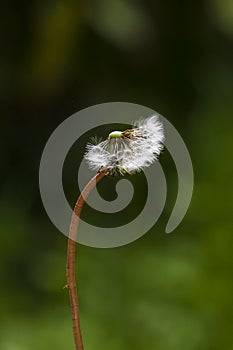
(129, 151)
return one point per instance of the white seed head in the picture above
(128, 151)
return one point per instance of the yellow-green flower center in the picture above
(115, 134)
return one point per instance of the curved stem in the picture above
(71, 254)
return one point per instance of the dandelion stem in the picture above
(71, 259)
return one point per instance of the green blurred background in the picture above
(164, 292)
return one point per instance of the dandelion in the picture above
(129, 151)
(123, 152)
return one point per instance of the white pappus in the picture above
(129, 151)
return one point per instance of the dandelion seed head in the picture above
(128, 151)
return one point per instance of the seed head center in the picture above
(115, 134)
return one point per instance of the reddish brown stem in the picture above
(71, 255)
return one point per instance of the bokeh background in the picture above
(163, 292)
